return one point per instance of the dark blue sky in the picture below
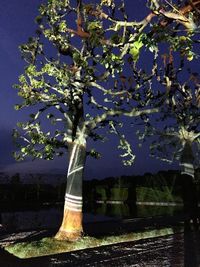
(16, 25)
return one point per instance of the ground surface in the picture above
(178, 250)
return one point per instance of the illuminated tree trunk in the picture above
(187, 159)
(71, 227)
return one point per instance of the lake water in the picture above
(48, 217)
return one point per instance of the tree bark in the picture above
(71, 228)
(189, 190)
(187, 160)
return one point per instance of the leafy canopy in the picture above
(84, 70)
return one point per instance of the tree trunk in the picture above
(189, 192)
(187, 160)
(71, 228)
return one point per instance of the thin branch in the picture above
(142, 23)
(94, 102)
(106, 91)
(155, 2)
(116, 112)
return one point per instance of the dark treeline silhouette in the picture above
(165, 186)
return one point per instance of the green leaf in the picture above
(23, 149)
(94, 26)
(135, 49)
(62, 26)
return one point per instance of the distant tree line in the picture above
(163, 186)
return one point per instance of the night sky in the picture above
(16, 25)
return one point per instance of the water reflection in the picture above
(50, 217)
(34, 219)
(42, 219)
(123, 210)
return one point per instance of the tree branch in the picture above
(116, 112)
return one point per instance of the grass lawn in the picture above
(50, 246)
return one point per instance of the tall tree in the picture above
(74, 61)
(176, 132)
(178, 122)
(81, 75)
